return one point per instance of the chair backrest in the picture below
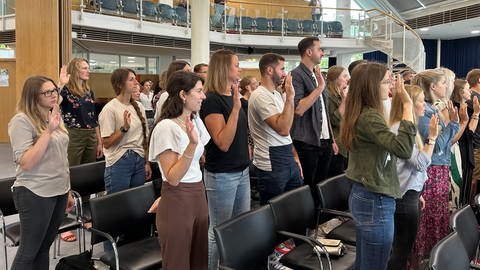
(123, 213)
(247, 22)
(6, 198)
(292, 25)
(109, 4)
(294, 211)
(88, 178)
(130, 6)
(465, 223)
(307, 26)
(449, 254)
(149, 8)
(181, 13)
(334, 192)
(262, 23)
(245, 241)
(276, 24)
(166, 11)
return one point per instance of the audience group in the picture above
(408, 142)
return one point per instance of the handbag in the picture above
(82, 261)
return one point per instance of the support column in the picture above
(344, 16)
(344, 60)
(39, 30)
(439, 53)
(200, 31)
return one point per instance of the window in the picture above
(103, 63)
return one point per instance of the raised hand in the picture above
(236, 96)
(320, 80)
(190, 129)
(401, 92)
(462, 113)
(126, 120)
(54, 118)
(476, 105)
(289, 90)
(64, 77)
(433, 127)
(452, 112)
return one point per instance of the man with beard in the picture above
(270, 117)
(311, 132)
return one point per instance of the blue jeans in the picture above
(127, 172)
(228, 196)
(373, 214)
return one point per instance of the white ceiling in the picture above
(456, 30)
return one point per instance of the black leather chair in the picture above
(464, 222)
(294, 212)
(245, 242)
(124, 214)
(333, 196)
(449, 254)
(85, 179)
(7, 208)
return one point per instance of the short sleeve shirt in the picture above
(78, 112)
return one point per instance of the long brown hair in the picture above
(332, 75)
(177, 82)
(457, 93)
(396, 111)
(217, 76)
(118, 79)
(75, 85)
(28, 103)
(364, 92)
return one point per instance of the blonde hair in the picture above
(333, 74)
(425, 79)
(449, 78)
(396, 112)
(28, 103)
(76, 85)
(217, 76)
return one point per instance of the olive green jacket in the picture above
(335, 119)
(372, 159)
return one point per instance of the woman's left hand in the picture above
(70, 203)
(64, 77)
(148, 171)
(421, 201)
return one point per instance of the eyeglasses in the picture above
(387, 81)
(49, 93)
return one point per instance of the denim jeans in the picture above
(228, 196)
(127, 172)
(40, 218)
(407, 214)
(373, 214)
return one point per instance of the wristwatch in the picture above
(430, 141)
(122, 129)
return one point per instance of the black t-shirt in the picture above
(236, 158)
(476, 134)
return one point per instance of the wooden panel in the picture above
(66, 31)
(255, 72)
(297, 9)
(100, 83)
(8, 102)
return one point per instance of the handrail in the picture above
(399, 21)
(286, 5)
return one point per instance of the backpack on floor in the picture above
(82, 261)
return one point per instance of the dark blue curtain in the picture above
(430, 53)
(332, 61)
(461, 55)
(376, 56)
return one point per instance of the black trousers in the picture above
(406, 218)
(40, 218)
(315, 161)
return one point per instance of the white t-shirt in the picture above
(163, 97)
(264, 104)
(146, 101)
(111, 119)
(168, 135)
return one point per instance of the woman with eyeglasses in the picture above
(373, 150)
(39, 142)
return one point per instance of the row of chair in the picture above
(459, 249)
(246, 241)
(178, 16)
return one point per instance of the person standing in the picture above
(373, 150)
(226, 174)
(270, 117)
(146, 97)
(177, 143)
(311, 132)
(41, 189)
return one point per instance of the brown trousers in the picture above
(182, 225)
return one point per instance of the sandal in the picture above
(68, 236)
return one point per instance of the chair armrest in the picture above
(312, 243)
(336, 212)
(221, 267)
(111, 240)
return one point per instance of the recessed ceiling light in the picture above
(113, 62)
(424, 29)
(131, 61)
(475, 32)
(131, 57)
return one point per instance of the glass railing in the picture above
(7, 7)
(393, 37)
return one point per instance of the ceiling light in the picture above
(131, 57)
(424, 29)
(131, 61)
(475, 32)
(113, 62)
